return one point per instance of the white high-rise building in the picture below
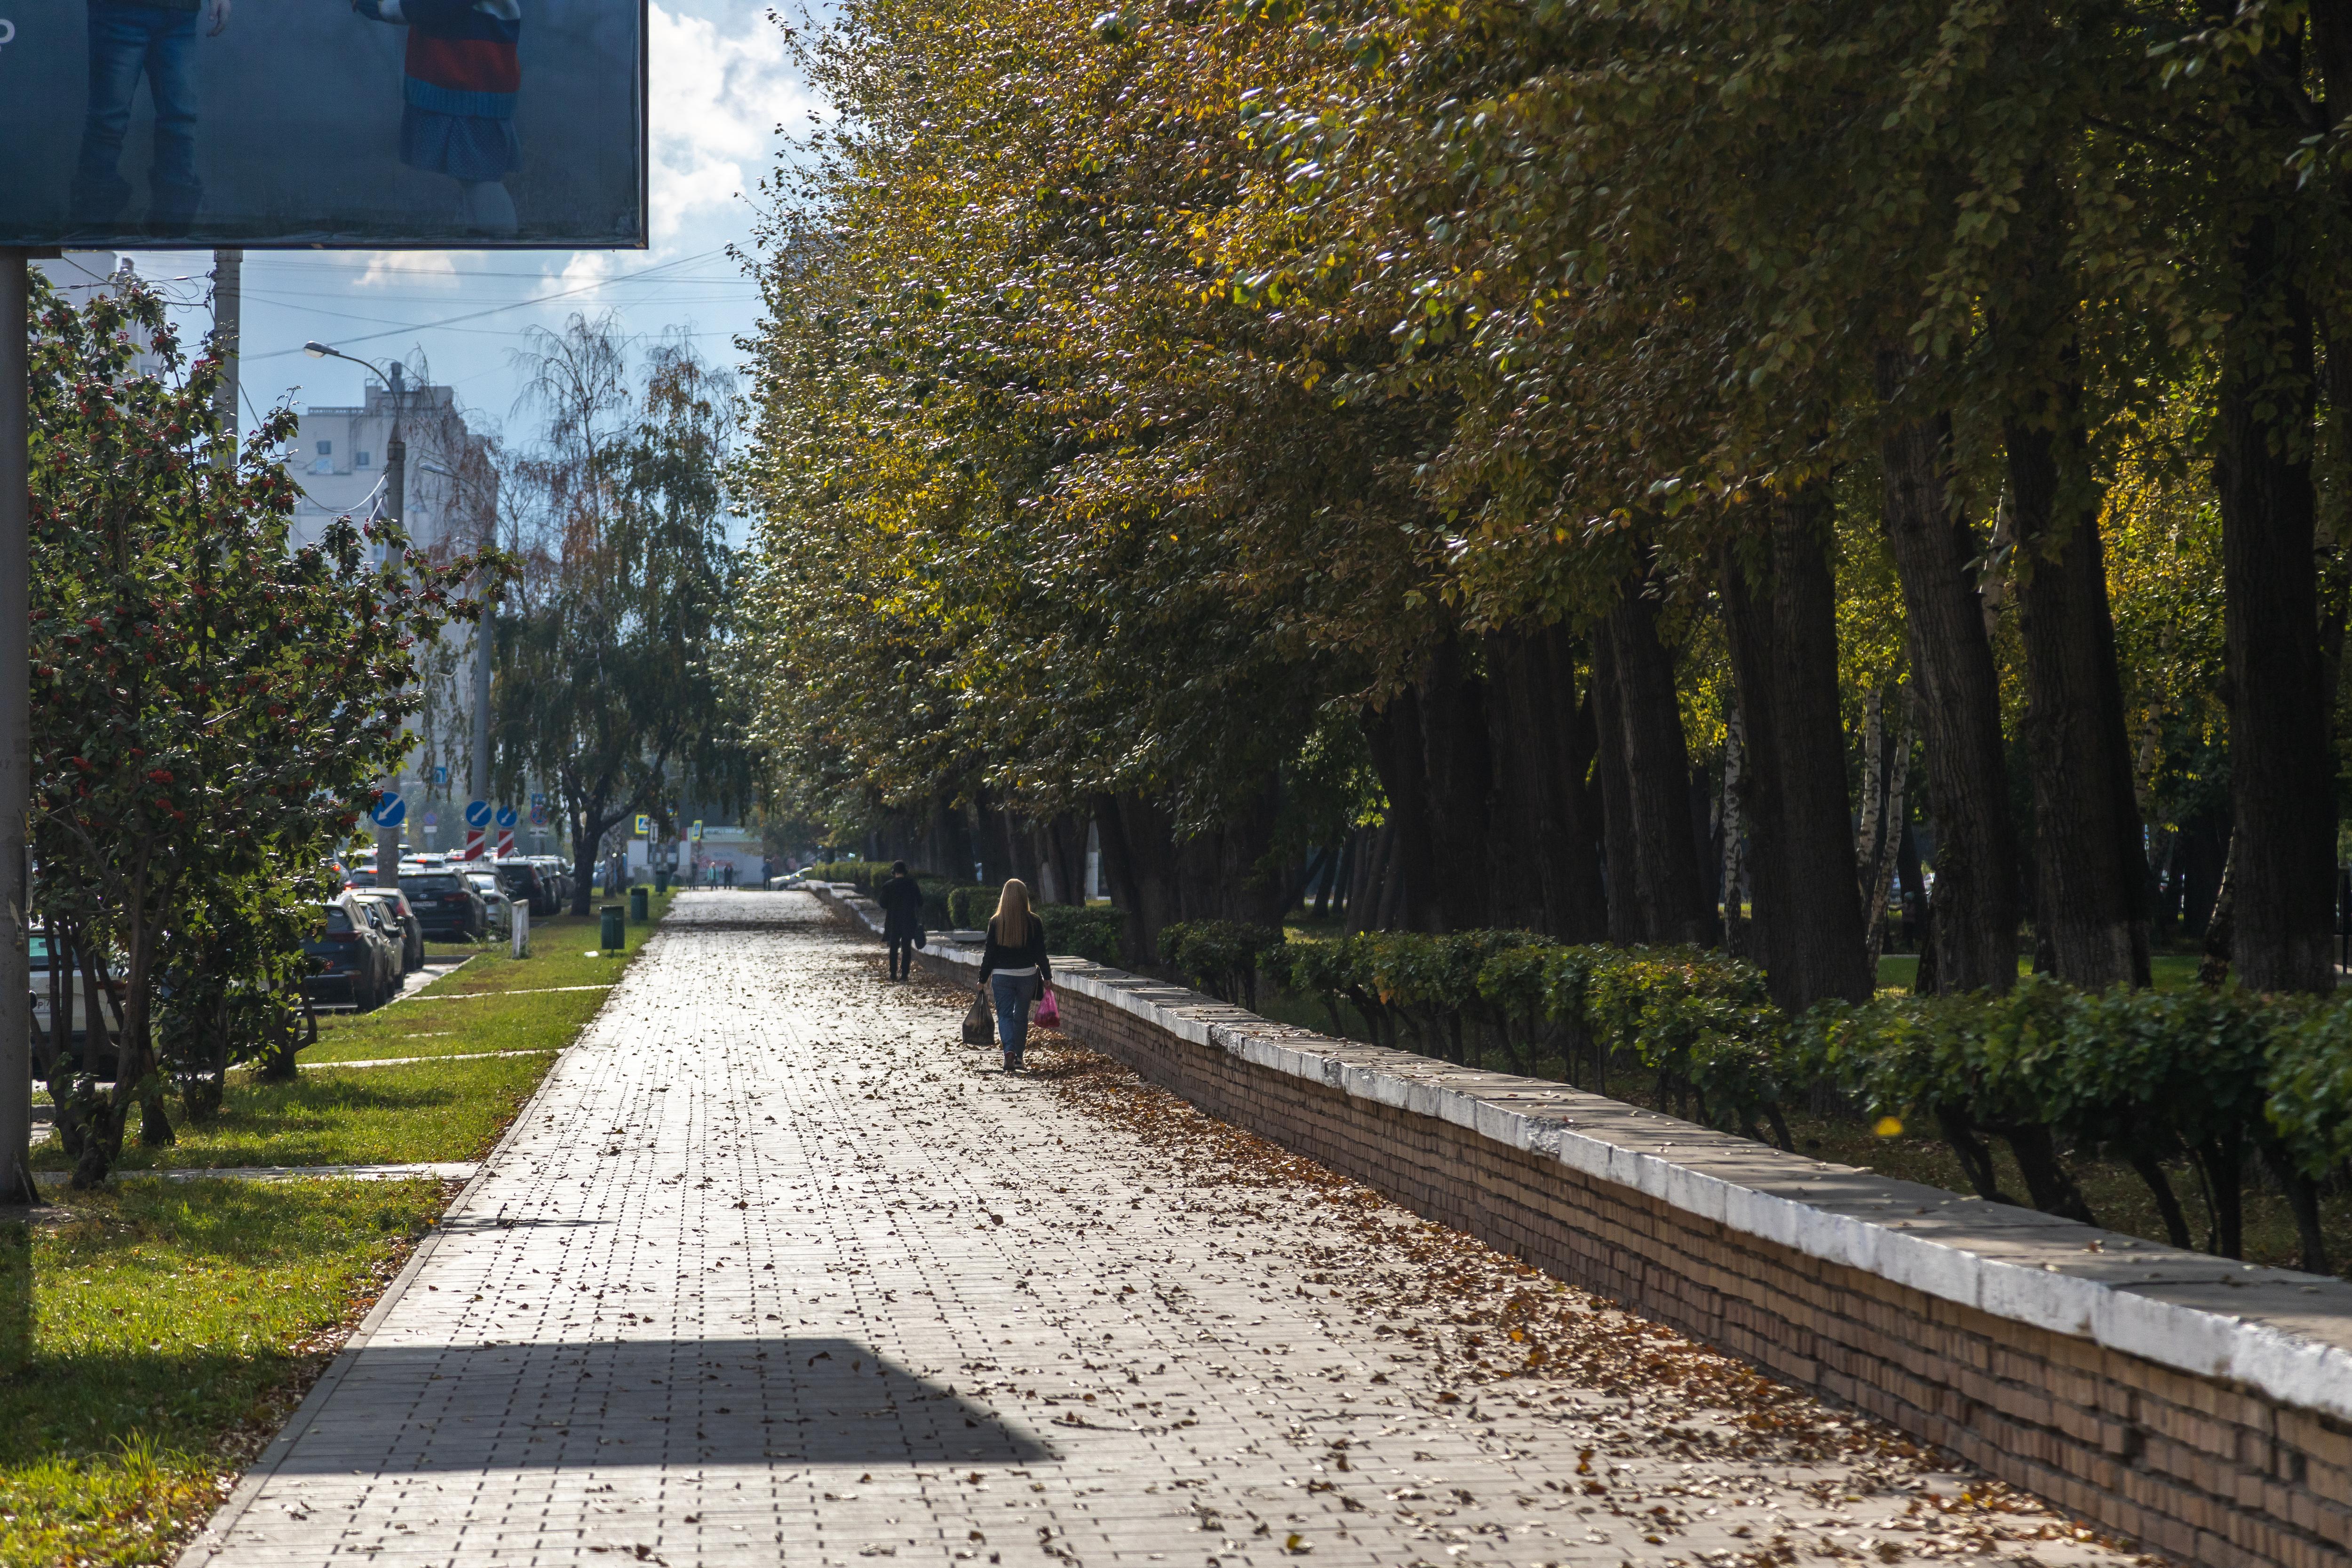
(337, 459)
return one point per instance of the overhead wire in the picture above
(497, 309)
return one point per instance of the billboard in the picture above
(441, 123)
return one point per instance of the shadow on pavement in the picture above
(411, 1409)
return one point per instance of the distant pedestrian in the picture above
(901, 898)
(1013, 968)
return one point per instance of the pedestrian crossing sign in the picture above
(645, 825)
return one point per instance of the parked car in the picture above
(556, 870)
(501, 908)
(447, 905)
(412, 931)
(358, 966)
(521, 880)
(386, 922)
(77, 1011)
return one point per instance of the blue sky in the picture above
(721, 88)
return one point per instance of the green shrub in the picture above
(1333, 973)
(1222, 957)
(1082, 932)
(971, 907)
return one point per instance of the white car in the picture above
(499, 907)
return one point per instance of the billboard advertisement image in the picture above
(446, 123)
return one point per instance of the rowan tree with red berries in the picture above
(212, 705)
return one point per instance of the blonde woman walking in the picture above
(1013, 968)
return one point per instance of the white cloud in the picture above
(720, 93)
(411, 269)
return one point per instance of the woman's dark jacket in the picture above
(901, 898)
(996, 956)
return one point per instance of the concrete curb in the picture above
(204, 1549)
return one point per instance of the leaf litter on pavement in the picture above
(1471, 1331)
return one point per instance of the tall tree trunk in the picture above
(1616, 791)
(1392, 734)
(951, 836)
(1973, 921)
(2283, 850)
(1543, 740)
(1735, 829)
(1065, 844)
(2092, 906)
(1460, 771)
(1222, 873)
(1138, 859)
(1666, 888)
(1878, 880)
(1516, 836)
(1783, 640)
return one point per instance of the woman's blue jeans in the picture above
(1013, 992)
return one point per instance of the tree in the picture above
(607, 683)
(210, 708)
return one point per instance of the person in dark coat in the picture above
(1013, 968)
(901, 898)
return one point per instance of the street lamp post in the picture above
(395, 499)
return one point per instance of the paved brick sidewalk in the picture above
(775, 1271)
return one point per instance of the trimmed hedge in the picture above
(971, 907)
(2220, 1079)
(1092, 931)
(1222, 957)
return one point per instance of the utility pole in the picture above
(395, 499)
(483, 629)
(16, 736)
(228, 328)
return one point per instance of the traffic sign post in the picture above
(390, 809)
(506, 820)
(478, 820)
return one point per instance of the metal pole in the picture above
(16, 738)
(229, 328)
(395, 498)
(482, 700)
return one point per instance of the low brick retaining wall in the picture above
(2200, 1406)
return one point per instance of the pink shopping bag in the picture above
(1049, 1012)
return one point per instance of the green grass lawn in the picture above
(426, 1111)
(2167, 970)
(174, 1327)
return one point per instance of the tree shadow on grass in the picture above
(176, 1311)
(428, 1111)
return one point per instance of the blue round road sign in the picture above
(477, 813)
(507, 817)
(389, 810)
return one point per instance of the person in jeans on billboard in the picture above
(156, 39)
(462, 75)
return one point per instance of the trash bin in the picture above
(661, 880)
(638, 904)
(609, 933)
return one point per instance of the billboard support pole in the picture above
(16, 736)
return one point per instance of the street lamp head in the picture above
(317, 349)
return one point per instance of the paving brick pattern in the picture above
(772, 1269)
